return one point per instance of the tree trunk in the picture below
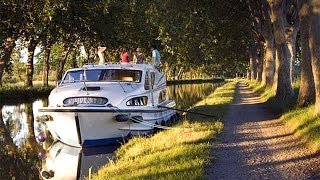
(315, 48)
(45, 66)
(73, 59)
(266, 31)
(260, 68)
(284, 91)
(292, 25)
(179, 75)
(259, 62)
(62, 63)
(276, 70)
(269, 62)
(31, 140)
(29, 69)
(253, 60)
(291, 36)
(307, 91)
(91, 55)
(7, 48)
(250, 66)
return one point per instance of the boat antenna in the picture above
(85, 78)
(122, 87)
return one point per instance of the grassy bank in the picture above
(13, 94)
(195, 81)
(302, 121)
(179, 153)
(305, 124)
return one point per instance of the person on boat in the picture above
(124, 56)
(100, 53)
(138, 57)
(155, 58)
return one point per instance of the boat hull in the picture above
(87, 127)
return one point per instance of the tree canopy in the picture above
(197, 37)
(189, 33)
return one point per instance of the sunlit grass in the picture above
(179, 153)
(23, 93)
(22, 84)
(305, 124)
(216, 104)
(265, 93)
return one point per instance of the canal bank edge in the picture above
(177, 153)
(21, 94)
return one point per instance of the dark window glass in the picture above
(103, 75)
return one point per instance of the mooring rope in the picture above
(191, 112)
(146, 122)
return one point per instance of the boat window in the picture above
(162, 96)
(121, 75)
(73, 76)
(103, 75)
(137, 101)
(146, 84)
(75, 101)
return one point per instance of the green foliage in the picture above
(56, 55)
(204, 37)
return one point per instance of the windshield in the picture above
(103, 75)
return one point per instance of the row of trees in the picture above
(207, 36)
(276, 24)
(194, 36)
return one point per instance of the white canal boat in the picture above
(104, 104)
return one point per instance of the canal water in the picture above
(22, 156)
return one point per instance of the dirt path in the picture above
(256, 145)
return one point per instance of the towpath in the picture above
(256, 145)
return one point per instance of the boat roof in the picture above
(130, 66)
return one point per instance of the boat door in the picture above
(149, 83)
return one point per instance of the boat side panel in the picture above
(101, 127)
(64, 127)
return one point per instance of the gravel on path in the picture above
(255, 144)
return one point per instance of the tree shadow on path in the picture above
(256, 145)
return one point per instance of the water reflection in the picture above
(66, 162)
(19, 148)
(186, 95)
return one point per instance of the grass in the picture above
(195, 81)
(268, 95)
(302, 121)
(21, 84)
(179, 153)
(265, 93)
(305, 124)
(12, 93)
(16, 94)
